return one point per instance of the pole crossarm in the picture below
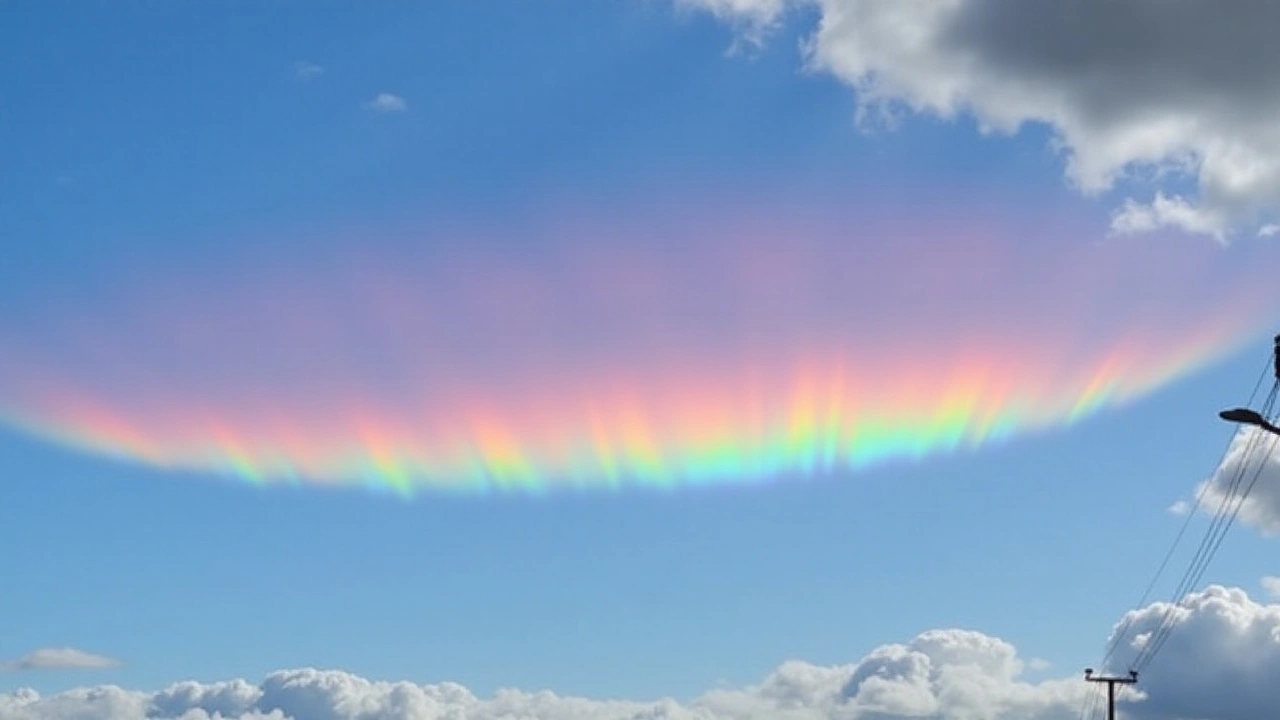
(1111, 682)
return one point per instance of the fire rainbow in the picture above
(757, 354)
(812, 422)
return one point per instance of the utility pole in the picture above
(1277, 357)
(1111, 687)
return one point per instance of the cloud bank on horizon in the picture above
(693, 347)
(1221, 635)
(1158, 93)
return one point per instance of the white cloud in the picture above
(1253, 453)
(1179, 508)
(942, 674)
(1220, 662)
(1268, 230)
(1271, 585)
(387, 102)
(753, 19)
(761, 13)
(307, 70)
(1039, 664)
(1130, 88)
(58, 659)
(1134, 217)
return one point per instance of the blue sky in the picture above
(608, 595)
(153, 135)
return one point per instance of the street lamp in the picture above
(1245, 416)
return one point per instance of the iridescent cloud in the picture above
(723, 345)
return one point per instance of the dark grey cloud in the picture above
(1111, 52)
(1170, 92)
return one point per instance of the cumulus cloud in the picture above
(941, 674)
(59, 659)
(387, 102)
(1143, 89)
(1220, 661)
(1254, 458)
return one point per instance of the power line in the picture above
(1232, 501)
(1089, 705)
(1119, 635)
(1162, 636)
(1228, 508)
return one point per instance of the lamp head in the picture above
(1244, 416)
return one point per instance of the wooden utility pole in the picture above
(1111, 687)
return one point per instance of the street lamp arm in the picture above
(1245, 416)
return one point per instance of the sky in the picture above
(648, 359)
